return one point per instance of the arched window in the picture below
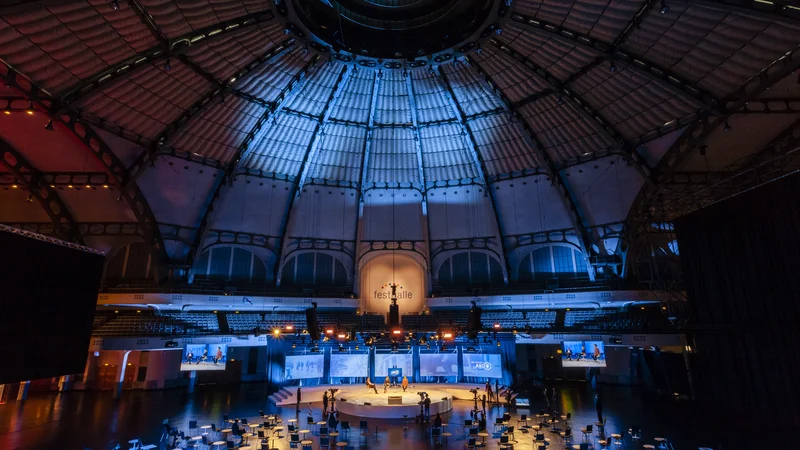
(135, 261)
(318, 269)
(470, 268)
(553, 261)
(230, 263)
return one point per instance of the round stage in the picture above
(362, 402)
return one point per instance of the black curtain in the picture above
(741, 263)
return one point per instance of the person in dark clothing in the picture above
(297, 410)
(235, 428)
(332, 422)
(598, 405)
(427, 403)
(325, 403)
(482, 422)
(483, 403)
(437, 422)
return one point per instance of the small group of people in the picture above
(582, 355)
(386, 384)
(217, 358)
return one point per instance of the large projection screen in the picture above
(352, 365)
(204, 357)
(304, 366)
(583, 354)
(385, 361)
(438, 364)
(486, 365)
(48, 295)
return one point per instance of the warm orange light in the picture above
(105, 186)
(497, 325)
(14, 186)
(289, 327)
(30, 113)
(328, 331)
(447, 335)
(88, 186)
(69, 186)
(342, 336)
(276, 332)
(7, 112)
(397, 332)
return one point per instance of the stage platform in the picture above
(357, 400)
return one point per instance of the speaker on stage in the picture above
(394, 316)
(474, 324)
(312, 322)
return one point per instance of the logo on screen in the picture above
(482, 365)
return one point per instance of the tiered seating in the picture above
(435, 321)
(249, 321)
(519, 319)
(610, 319)
(158, 325)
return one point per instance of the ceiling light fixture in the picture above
(114, 5)
(613, 67)
(49, 126)
(664, 7)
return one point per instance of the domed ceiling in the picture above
(352, 126)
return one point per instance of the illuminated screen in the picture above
(386, 361)
(204, 357)
(438, 364)
(349, 365)
(305, 366)
(482, 365)
(583, 354)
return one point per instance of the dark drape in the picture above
(741, 264)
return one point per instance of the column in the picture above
(63, 383)
(23, 390)
(192, 381)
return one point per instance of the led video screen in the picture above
(47, 303)
(204, 357)
(438, 364)
(583, 354)
(354, 365)
(386, 361)
(482, 365)
(304, 366)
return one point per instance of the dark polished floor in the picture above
(78, 420)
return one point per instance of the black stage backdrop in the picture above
(741, 264)
(48, 295)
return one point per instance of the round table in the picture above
(304, 432)
(446, 435)
(305, 442)
(483, 436)
(218, 443)
(246, 447)
(334, 435)
(292, 420)
(341, 444)
(253, 425)
(205, 427)
(197, 438)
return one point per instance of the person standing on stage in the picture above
(497, 390)
(325, 403)
(483, 403)
(386, 384)
(297, 408)
(427, 404)
(405, 383)
(489, 390)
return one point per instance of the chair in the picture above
(362, 425)
(523, 420)
(510, 430)
(471, 444)
(473, 432)
(436, 435)
(587, 432)
(294, 440)
(192, 426)
(310, 421)
(346, 427)
(230, 445)
(323, 431)
(325, 442)
(244, 421)
(349, 447)
(566, 435)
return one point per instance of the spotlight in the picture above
(29, 199)
(664, 7)
(447, 335)
(498, 343)
(294, 345)
(114, 5)
(329, 331)
(613, 67)
(498, 31)
(167, 65)
(727, 126)
(496, 326)
(30, 109)
(276, 332)
(49, 126)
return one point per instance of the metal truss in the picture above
(48, 198)
(560, 236)
(581, 105)
(783, 9)
(164, 49)
(89, 180)
(705, 124)
(369, 246)
(243, 238)
(684, 192)
(553, 175)
(480, 167)
(613, 53)
(200, 106)
(771, 106)
(50, 239)
(233, 166)
(296, 244)
(96, 146)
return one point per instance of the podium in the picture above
(395, 399)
